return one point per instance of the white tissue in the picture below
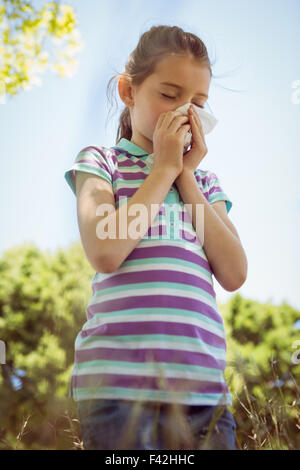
(207, 120)
(208, 123)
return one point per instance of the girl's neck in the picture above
(142, 142)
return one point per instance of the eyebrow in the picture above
(178, 86)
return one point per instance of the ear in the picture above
(125, 89)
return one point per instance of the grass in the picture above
(270, 422)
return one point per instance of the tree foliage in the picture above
(33, 40)
(263, 371)
(43, 300)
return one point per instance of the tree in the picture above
(43, 301)
(32, 41)
(43, 298)
(263, 376)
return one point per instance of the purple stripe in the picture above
(154, 301)
(185, 235)
(155, 275)
(116, 153)
(139, 175)
(202, 180)
(156, 328)
(127, 154)
(184, 216)
(95, 163)
(120, 193)
(170, 252)
(72, 176)
(129, 162)
(144, 382)
(155, 231)
(210, 177)
(114, 158)
(148, 355)
(198, 177)
(128, 192)
(98, 149)
(215, 189)
(126, 163)
(206, 178)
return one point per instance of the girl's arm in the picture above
(107, 254)
(223, 249)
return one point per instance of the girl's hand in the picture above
(168, 142)
(198, 151)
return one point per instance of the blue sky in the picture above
(254, 149)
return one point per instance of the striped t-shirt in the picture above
(153, 329)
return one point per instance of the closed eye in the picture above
(173, 98)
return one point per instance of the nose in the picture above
(184, 112)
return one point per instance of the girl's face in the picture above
(153, 97)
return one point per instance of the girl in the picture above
(149, 360)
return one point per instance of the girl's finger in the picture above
(195, 130)
(198, 136)
(160, 120)
(199, 128)
(198, 120)
(168, 118)
(195, 114)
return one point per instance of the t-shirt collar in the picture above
(130, 147)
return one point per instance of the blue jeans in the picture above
(111, 424)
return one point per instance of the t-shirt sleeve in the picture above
(92, 160)
(211, 186)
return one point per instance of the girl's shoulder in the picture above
(94, 159)
(212, 187)
(98, 150)
(102, 153)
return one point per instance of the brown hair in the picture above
(153, 45)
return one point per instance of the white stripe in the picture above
(150, 291)
(129, 169)
(147, 344)
(149, 370)
(142, 396)
(99, 320)
(148, 243)
(156, 267)
(178, 244)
